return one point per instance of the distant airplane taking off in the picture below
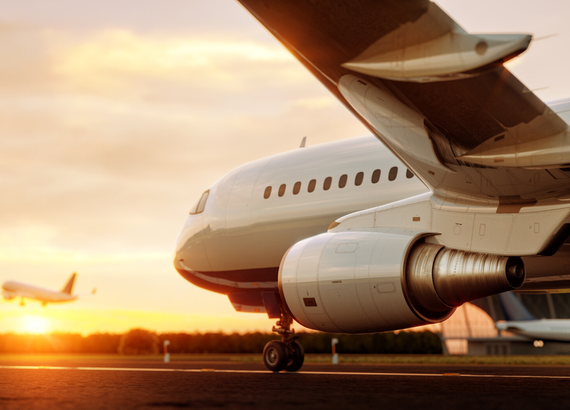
(523, 323)
(11, 290)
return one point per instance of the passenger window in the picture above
(201, 204)
(282, 190)
(359, 178)
(327, 183)
(409, 174)
(312, 185)
(393, 173)
(376, 176)
(296, 188)
(267, 192)
(342, 181)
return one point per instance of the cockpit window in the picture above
(199, 208)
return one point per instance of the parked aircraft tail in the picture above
(513, 308)
(68, 288)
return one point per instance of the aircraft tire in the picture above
(296, 356)
(276, 355)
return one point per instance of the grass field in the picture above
(69, 359)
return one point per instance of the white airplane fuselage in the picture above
(314, 236)
(236, 244)
(543, 329)
(237, 241)
(11, 290)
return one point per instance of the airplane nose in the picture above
(190, 253)
(500, 325)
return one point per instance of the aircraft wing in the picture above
(437, 96)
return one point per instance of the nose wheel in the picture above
(285, 354)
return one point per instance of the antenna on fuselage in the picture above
(303, 142)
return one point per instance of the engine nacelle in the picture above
(380, 280)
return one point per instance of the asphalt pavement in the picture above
(139, 384)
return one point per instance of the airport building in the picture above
(514, 345)
(471, 330)
(548, 306)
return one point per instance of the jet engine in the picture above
(380, 280)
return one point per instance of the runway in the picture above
(305, 372)
(136, 384)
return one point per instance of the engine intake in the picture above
(380, 280)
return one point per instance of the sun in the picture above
(35, 324)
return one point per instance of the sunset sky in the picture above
(116, 115)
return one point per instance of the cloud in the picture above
(24, 57)
(116, 133)
(316, 103)
(114, 123)
(214, 17)
(110, 133)
(115, 59)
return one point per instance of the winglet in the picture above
(435, 48)
(303, 142)
(68, 288)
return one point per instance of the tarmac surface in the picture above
(140, 384)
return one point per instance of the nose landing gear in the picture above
(287, 353)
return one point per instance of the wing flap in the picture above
(454, 118)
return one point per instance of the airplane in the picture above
(462, 191)
(11, 290)
(520, 321)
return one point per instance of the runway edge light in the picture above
(334, 342)
(166, 354)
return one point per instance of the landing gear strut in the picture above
(287, 353)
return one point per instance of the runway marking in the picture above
(143, 369)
